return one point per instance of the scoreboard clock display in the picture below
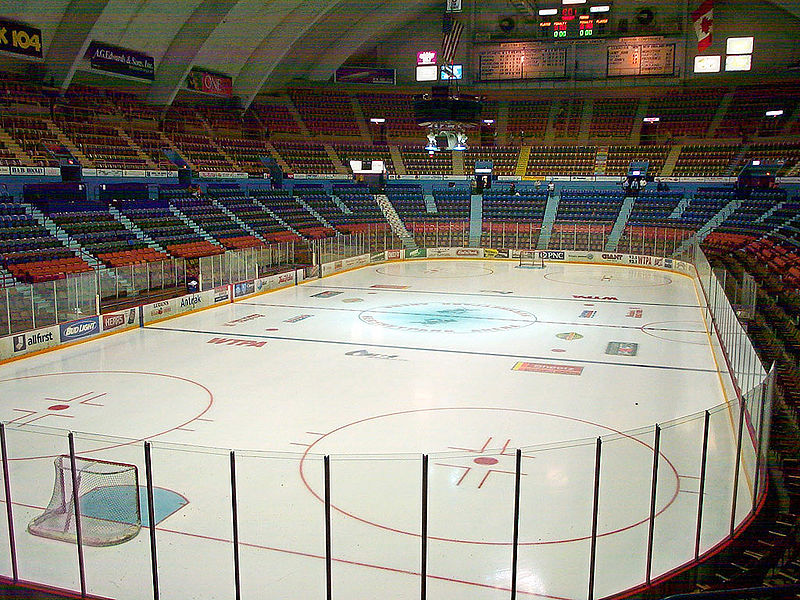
(574, 22)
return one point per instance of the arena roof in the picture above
(257, 42)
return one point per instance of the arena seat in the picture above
(504, 159)
(561, 160)
(612, 117)
(325, 112)
(195, 249)
(528, 118)
(419, 161)
(305, 157)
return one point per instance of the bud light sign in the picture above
(79, 329)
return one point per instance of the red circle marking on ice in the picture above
(272, 329)
(127, 442)
(310, 452)
(485, 460)
(58, 407)
(558, 350)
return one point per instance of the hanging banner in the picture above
(19, 38)
(368, 75)
(121, 61)
(204, 81)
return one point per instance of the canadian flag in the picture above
(703, 19)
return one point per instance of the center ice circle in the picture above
(448, 317)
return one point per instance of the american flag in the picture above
(452, 29)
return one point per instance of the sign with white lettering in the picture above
(122, 61)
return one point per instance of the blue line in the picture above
(443, 350)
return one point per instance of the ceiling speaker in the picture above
(506, 24)
(645, 16)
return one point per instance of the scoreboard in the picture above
(521, 60)
(573, 22)
(640, 56)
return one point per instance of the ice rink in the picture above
(465, 360)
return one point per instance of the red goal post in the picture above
(530, 259)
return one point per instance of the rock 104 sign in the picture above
(19, 38)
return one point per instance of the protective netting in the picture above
(108, 498)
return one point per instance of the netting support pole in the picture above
(762, 395)
(9, 509)
(595, 506)
(515, 537)
(77, 510)
(148, 473)
(702, 488)
(653, 489)
(235, 526)
(328, 574)
(738, 463)
(423, 582)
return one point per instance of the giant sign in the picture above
(122, 61)
(207, 82)
(654, 58)
(369, 75)
(19, 38)
(330, 268)
(158, 311)
(521, 60)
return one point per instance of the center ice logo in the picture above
(448, 317)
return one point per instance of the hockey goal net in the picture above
(108, 499)
(531, 259)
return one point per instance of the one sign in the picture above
(451, 72)
(547, 368)
(19, 38)
(82, 328)
(427, 57)
(641, 59)
(521, 60)
(30, 341)
(427, 73)
(204, 81)
(121, 61)
(360, 167)
(707, 64)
